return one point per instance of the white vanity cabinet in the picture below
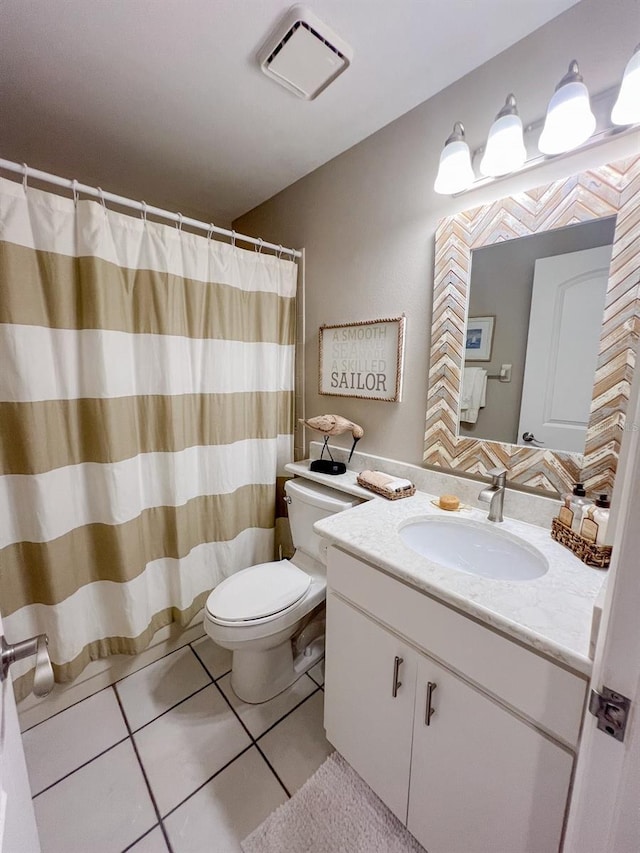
(491, 771)
(372, 688)
(481, 778)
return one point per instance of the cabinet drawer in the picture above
(546, 693)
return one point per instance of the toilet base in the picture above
(257, 676)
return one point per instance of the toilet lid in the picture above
(258, 591)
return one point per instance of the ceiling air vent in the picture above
(303, 54)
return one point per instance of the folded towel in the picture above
(474, 393)
(385, 481)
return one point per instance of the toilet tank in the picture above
(309, 503)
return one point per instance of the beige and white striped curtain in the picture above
(146, 407)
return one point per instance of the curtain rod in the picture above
(96, 192)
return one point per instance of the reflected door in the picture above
(562, 347)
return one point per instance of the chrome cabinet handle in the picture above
(429, 711)
(396, 668)
(43, 677)
(530, 438)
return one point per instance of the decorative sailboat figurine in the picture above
(332, 425)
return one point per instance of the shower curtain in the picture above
(146, 408)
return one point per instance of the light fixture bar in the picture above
(605, 131)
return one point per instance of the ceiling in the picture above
(163, 100)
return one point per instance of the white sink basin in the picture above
(477, 549)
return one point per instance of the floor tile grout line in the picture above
(131, 732)
(144, 775)
(256, 738)
(117, 681)
(288, 714)
(314, 681)
(203, 665)
(172, 708)
(210, 779)
(144, 835)
(253, 740)
(68, 708)
(80, 766)
(147, 665)
(273, 770)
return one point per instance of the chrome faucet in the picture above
(494, 494)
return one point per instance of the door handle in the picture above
(43, 677)
(429, 711)
(396, 669)
(530, 438)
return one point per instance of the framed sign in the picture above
(479, 339)
(363, 359)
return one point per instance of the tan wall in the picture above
(368, 217)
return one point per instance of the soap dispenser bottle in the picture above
(576, 503)
(600, 515)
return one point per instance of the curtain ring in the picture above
(102, 201)
(259, 246)
(74, 190)
(24, 176)
(210, 231)
(143, 214)
(233, 239)
(280, 249)
(179, 222)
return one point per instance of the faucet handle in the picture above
(498, 474)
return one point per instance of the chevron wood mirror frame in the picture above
(609, 190)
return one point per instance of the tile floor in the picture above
(169, 760)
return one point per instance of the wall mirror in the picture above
(535, 322)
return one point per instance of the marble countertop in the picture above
(552, 613)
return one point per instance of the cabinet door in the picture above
(366, 723)
(481, 779)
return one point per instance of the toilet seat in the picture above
(257, 593)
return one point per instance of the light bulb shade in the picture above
(569, 120)
(454, 173)
(626, 109)
(505, 151)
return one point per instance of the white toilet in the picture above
(257, 611)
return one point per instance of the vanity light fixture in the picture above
(569, 120)
(505, 151)
(455, 173)
(573, 120)
(626, 109)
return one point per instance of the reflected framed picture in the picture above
(479, 338)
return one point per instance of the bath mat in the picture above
(333, 812)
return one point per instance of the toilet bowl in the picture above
(258, 611)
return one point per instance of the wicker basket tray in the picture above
(391, 496)
(593, 555)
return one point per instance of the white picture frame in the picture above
(479, 338)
